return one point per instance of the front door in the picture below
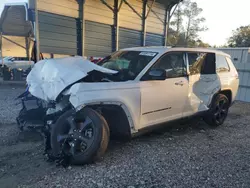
(164, 100)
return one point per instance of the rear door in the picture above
(203, 81)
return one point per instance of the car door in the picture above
(203, 82)
(164, 100)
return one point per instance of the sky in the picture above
(222, 16)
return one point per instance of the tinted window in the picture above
(128, 62)
(221, 64)
(173, 63)
(196, 60)
(201, 63)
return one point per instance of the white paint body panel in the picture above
(126, 94)
(162, 100)
(148, 103)
(200, 92)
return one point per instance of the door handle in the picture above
(179, 83)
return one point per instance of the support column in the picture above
(83, 27)
(116, 24)
(144, 23)
(1, 48)
(37, 38)
(166, 26)
(27, 46)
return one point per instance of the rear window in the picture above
(201, 63)
(221, 64)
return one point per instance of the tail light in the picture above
(235, 73)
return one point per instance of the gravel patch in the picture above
(192, 155)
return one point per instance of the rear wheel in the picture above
(83, 136)
(218, 112)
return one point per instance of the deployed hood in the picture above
(50, 77)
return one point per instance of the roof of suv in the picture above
(163, 49)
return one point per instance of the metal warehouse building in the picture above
(87, 28)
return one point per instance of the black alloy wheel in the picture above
(218, 111)
(83, 136)
(77, 136)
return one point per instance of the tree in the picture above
(186, 25)
(177, 21)
(194, 22)
(240, 37)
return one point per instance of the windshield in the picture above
(128, 63)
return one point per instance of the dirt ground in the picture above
(193, 156)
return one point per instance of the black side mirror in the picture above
(157, 74)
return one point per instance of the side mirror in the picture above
(157, 74)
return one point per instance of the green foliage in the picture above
(186, 25)
(240, 37)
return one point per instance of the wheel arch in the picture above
(117, 115)
(226, 92)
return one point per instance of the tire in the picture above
(218, 111)
(20, 123)
(96, 149)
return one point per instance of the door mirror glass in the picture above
(157, 74)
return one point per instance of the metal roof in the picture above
(14, 20)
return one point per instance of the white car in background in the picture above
(145, 87)
(12, 63)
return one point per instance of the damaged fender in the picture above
(124, 94)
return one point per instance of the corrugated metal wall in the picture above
(69, 8)
(155, 20)
(98, 39)
(154, 39)
(99, 31)
(130, 15)
(96, 11)
(98, 28)
(60, 26)
(240, 57)
(59, 34)
(129, 38)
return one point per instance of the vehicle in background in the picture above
(12, 63)
(12, 69)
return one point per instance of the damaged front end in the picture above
(46, 107)
(32, 112)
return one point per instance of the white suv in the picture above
(148, 86)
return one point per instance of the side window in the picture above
(221, 64)
(173, 63)
(201, 63)
(195, 60)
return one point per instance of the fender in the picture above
(122, 105)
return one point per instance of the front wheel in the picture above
(83, 136)
(218, 112)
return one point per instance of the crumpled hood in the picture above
(50, 77)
